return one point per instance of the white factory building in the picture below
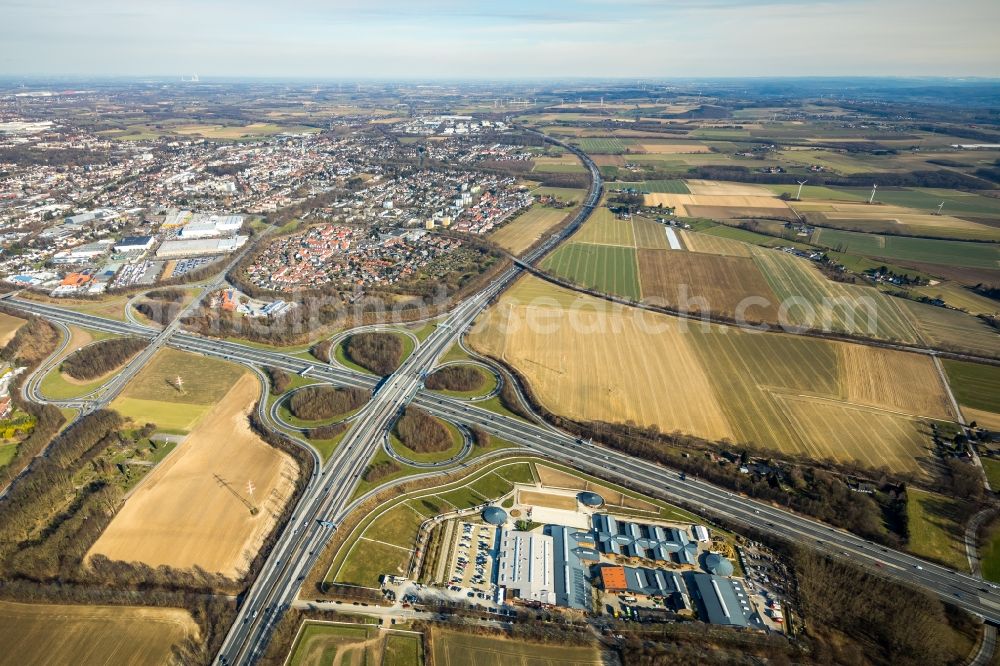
(134, 244)
(525, 566)
(209, 226)
(200, 246)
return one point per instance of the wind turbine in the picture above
(798, 195)
(940, 206)
(871, 199)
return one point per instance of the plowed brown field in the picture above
(194, 508)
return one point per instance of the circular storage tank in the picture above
(591, 499)
(718, 565)
(494, 515)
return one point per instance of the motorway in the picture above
(961, 589)
(327, 495)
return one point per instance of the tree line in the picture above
(885, 622)
(326, 432)
(37, 543)
(170, 295)
(421, 432)
(32, 343)
(480, 437)
(279, 379)
(101, 357)
(315, 403)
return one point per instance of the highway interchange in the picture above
(327, 497)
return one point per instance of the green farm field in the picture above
(603, 146)
(519, 234)
(451, 648)
(742, 235)
(153, 396)
(953, 330)
(832, 305)
(991, 466)
(558, 167)
(369, 560)
(649, 186)
(957, 296)
(58, 386)
(649, 234)
(608, 268)
(397, 526)
(990, 553)
(927, 199)
(974, 385)
(402, 650)
(7, 452)
(564, 194)
(604, 228)
(820, 192)
(902, 248)
(935, 528)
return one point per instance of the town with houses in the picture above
(152, 210)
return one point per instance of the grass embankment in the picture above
(936, 528)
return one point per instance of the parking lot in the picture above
(139, 273)
(183, 266)
(767, 580)
(474, 559)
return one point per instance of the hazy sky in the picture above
(503, 38)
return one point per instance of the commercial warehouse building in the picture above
(200, 246)
(647, 582)
(525, 566)
(651, 542)
(573, 553)
(210, 226)
(721, 600)
(134, 244)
